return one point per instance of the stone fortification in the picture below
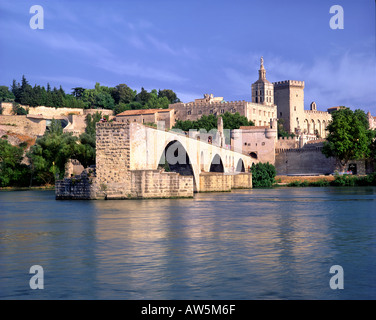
(310, 160)
(53, 112)
(23, 125)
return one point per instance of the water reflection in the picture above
(256, 244)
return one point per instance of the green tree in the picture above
(12, 171)
(235, 121)
(6, 95)
(104, 100)
(18, 110)
(154, 102)
(86, 150)
(263, 175)
(123, 94)
(230, 121)
(78, 92)
(169, 94)
(71, 102)
(16, 90)
(143, 96)
(51, 152)
(119, 108)
(349, 137)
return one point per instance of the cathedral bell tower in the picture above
(262, 89)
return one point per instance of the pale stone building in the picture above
(148, 116)
(371, 120)
(261, 110)
(289, 97)
(258, 142)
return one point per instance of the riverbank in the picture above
(46, 187)
(326, 181)
(285, 180)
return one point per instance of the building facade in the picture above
(289, 98)
(148, 116)
(261, 110)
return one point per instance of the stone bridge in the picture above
(186, 154)
(136, 161)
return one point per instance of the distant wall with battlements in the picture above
(260, 114)
(53, 112)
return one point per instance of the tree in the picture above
(169, 94)
(104, 100)
(26, 92)
(349, 137)
(51, 152)
(123, 94)
(143, 96)
(119, 108)
(230, 121)
(78, 92)
(12, 171)
(18, 110)
(235, 121)
(263, 175)
(154, 102)
(86, 149)
(16, 90)
(6, 95)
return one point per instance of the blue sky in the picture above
(195, 47)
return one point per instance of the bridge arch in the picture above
(240, 166)
(217, 164)
(175, 158)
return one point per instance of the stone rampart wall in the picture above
(301, 161)
(53, 112)
(22, 125)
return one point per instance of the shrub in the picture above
(263, 175)
(320, 183)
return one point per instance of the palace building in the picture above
(261, 110)
(283, 100)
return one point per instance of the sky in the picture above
(195, 47)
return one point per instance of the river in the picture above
(248, 244)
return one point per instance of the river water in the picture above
(249, 244)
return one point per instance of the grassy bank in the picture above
(46, 187)
(326, 181)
